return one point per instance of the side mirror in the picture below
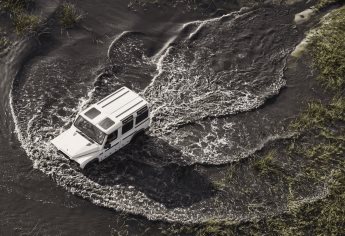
(107, 146)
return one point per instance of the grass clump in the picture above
(318, 115)
(14, 5)
(209, 228)
(266, 164)
(322, 217)
(69, 15)
(324, 3)
(26, 23)
(328, 51)
(3, 42)
(325, 150)
(18, 10)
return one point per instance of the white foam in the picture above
(115, 40)
(166, 95)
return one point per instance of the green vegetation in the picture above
(266, 164)
(23, 21)
(14, 5)
(69, 16)
(3, 42)
(26, 23)
(324, 3)
(315, 155)
(328, 52)
(323, 217)
(320, 116)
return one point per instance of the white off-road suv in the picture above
(104, 127)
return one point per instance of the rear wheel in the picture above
(137, 135)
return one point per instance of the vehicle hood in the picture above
(74, 145)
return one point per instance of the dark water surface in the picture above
(220, 89)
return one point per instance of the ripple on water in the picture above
(211, 71)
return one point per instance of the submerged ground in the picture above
(247, 131)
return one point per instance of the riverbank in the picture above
(313, 156)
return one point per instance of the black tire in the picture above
(138, 134)
(91, 163)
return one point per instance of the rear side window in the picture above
(127, 124)
(112, 136)
(143, 113)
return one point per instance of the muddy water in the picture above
(216, 89)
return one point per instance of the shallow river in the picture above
(219, 90)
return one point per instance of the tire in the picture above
(137, 135)
(91, 163)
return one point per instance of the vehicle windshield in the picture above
(89, 130)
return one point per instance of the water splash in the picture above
(205, 75)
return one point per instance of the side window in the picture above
(127, 124)
(143, 113)
(112, 136)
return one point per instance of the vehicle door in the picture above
(142, 118)
(127, 130)
(112, 144)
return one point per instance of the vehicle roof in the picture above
(108, 113)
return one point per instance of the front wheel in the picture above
(91, 163)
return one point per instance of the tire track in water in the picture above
(203, 78)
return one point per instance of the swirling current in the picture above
(203, 83)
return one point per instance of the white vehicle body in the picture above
(104, 127)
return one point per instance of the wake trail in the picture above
(220, 67)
